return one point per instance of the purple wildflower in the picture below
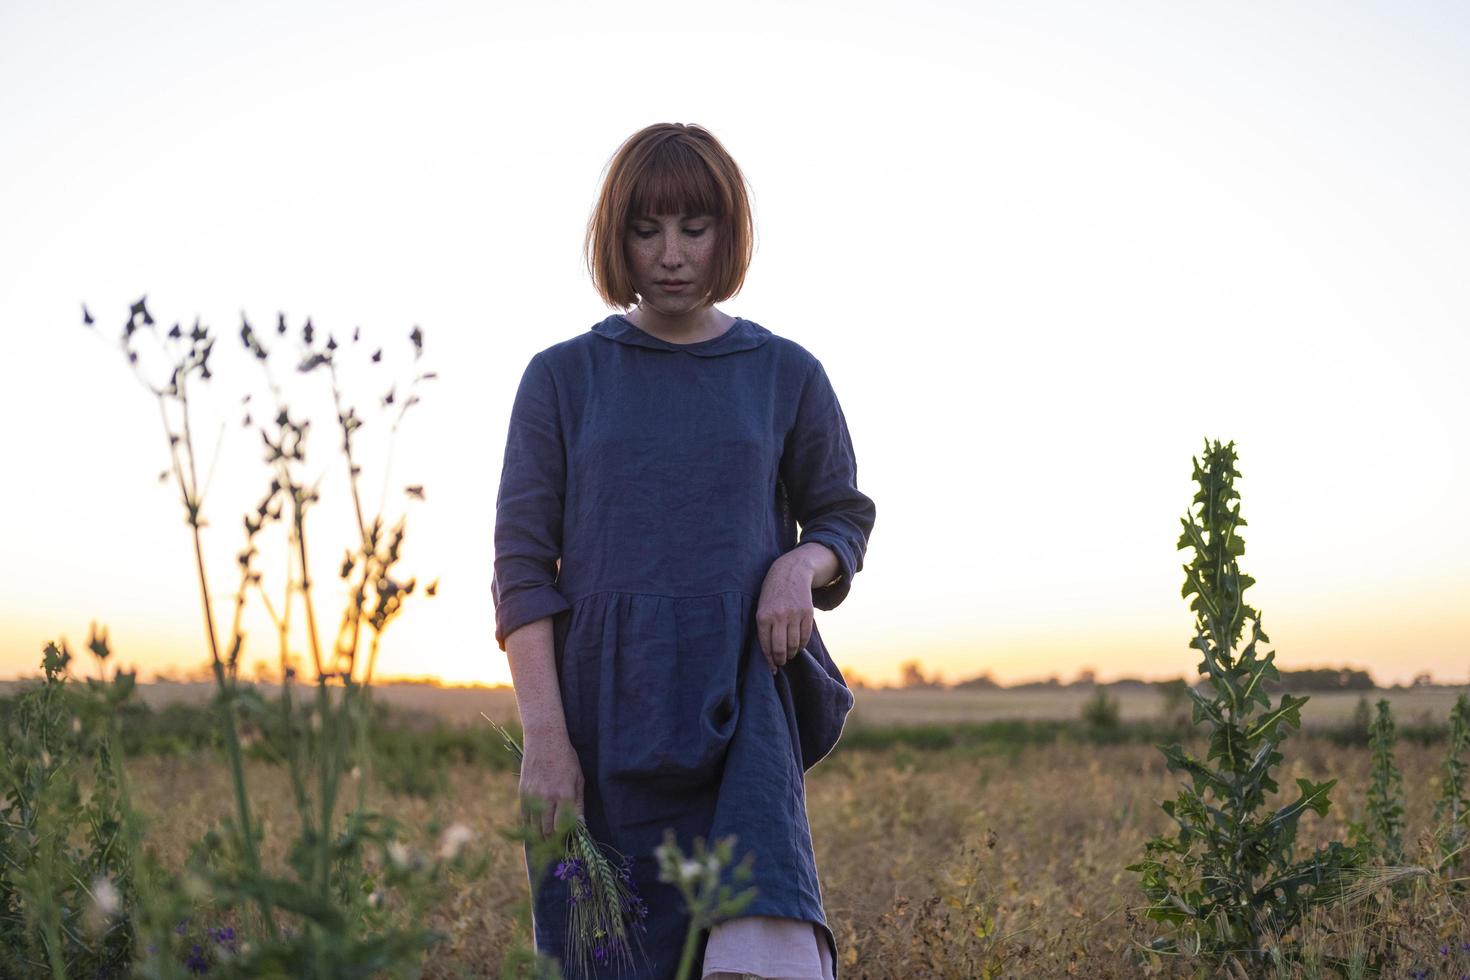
(599, 953)
(635, 906)
(196, 961)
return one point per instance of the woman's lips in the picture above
(672, 287)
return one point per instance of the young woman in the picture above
(650, 589)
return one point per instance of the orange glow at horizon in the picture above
(1395, 642)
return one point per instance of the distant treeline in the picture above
(1316, 679)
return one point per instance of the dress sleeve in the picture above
(528, 508)
(819, 470)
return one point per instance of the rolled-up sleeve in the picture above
(528, 507)
(819, 469)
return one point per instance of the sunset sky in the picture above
(1043, 250)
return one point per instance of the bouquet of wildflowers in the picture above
(604, 911)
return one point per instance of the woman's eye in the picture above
(644, 232)
(694, 232)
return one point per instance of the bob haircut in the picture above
(669, 168)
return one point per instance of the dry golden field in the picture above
(895, 706)
(873, 706)
(1004, 862)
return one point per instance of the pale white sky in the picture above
(1043, 250)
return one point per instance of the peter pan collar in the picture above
(742, 335)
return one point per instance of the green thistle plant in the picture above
(1451, 808)
(1382, 831)
(1229, 879)
(67, 861)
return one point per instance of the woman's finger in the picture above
(793, 639)
(773, 644)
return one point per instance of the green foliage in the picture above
(64, 905)
(1175, 705)
(1323, 679)
(1229, 877)
(1452, 807)
(1100, 711)
(1381, 833)
(1362, 716)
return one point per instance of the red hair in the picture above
(669, 168)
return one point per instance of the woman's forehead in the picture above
(671, 216)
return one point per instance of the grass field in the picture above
(990, 860)
(907, 706)
(873, 706)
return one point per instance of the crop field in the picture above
(957, 834)
(997, 861)
(873, 707)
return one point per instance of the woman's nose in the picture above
(673, 253)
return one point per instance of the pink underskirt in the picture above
(769, 947)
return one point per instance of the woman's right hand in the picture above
(552, 772)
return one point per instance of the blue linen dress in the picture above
(646, 489)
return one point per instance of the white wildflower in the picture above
(453, 840)
(398, 854)
(105, 894)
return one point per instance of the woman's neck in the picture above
(704, 323)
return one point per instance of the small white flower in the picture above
(453, 840)
(690, 869)
(398, 854)
(105, 893)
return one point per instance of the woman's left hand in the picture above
(784, 614)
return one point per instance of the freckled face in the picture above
(671, 257)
